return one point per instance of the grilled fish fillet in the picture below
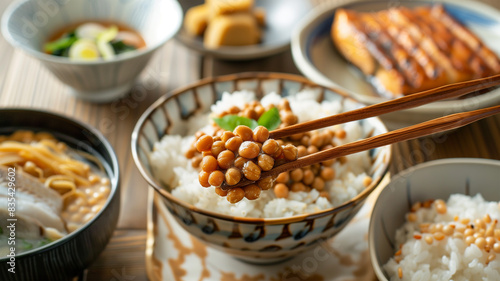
(404, 51)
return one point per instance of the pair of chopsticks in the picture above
(411, 132)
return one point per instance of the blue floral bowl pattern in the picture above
(250, 239)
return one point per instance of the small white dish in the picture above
(316, 57)
(27, 24)
(281, 18)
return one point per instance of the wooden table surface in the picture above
(24, 82)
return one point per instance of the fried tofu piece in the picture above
(225, 7)
(232, 30)
(196, 20)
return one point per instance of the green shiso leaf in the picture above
(270, 119)
(229, 122)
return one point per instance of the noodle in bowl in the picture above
(267, 229)
(66, 181)
(56, 176)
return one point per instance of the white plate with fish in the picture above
(281, 16)
(318, 59)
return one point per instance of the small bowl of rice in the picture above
(313, 204)
(439, 221)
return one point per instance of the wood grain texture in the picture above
(123, 258)
(24, 82)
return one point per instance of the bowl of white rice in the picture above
(274, 226)
(439, 221)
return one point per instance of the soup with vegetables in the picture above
(50, 189)
(93, 41)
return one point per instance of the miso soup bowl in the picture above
(67, 257)
(433, 180)
(256, 240)
(27, 24)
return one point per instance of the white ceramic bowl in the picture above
(27, 24)
(432, 180)
(317, 58)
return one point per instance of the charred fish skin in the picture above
(403, 51)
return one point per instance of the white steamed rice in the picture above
(172, 168)
(450, 258)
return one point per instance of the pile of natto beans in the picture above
(228, 157)
(240, 154)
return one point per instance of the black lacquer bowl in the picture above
(67, 257)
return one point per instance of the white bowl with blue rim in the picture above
(317, 58)
(28, 24)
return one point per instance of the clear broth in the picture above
(121, 27)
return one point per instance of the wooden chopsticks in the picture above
(411, 132)
(406, 102)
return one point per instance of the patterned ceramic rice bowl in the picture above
(259, 240)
